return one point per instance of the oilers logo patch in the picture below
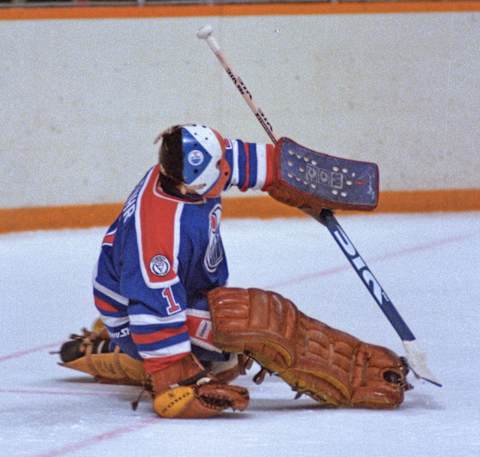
(214, 254)
(195, 158)
(159, 265)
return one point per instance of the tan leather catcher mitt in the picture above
(330, 366)
(186, 390)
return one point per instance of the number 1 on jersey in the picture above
(173, 306)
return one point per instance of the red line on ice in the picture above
(15, 355)
(99, 438)
(58, 392)
(380, 258)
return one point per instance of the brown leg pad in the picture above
(113, 367)
(329, 365)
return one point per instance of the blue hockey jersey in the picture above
(160, 257)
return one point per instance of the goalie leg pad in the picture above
(331, 366)
(89, 354)
(113, 367)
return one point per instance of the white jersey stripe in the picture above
(176, 236)
(114, 321)
(236, 170)
(261, 166)
(120, 299)
(152, 319)
(168, 351)
(203, 344)
(198, 313)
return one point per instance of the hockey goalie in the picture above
(168, 321)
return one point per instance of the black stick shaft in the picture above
(328, 219)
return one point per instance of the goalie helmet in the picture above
(202, 165)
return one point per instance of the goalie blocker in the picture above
(311, 180)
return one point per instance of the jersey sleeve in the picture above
(113, 311)
(251, 164)
(145, 253)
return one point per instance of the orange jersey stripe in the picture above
(159, 363)
(148, 338)
(158, 219)
(102, 305)
(271, 164)
(247, 167)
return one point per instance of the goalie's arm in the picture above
(252, 165)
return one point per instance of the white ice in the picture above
(428, 264)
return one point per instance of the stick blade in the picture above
(417, 361)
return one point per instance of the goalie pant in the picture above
(160, 257)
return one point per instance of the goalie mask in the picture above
(203, 166)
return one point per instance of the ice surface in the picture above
(428, 264)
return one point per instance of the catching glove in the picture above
(186, 390)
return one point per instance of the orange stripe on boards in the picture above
(429, 200)
(266, 9)
(57, 217)
(81, 216)
(419, 201)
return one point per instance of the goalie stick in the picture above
(329, 181)
(415, 357)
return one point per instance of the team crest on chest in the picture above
(214, 253)
(159, 265)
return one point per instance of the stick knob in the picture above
(204, 32)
